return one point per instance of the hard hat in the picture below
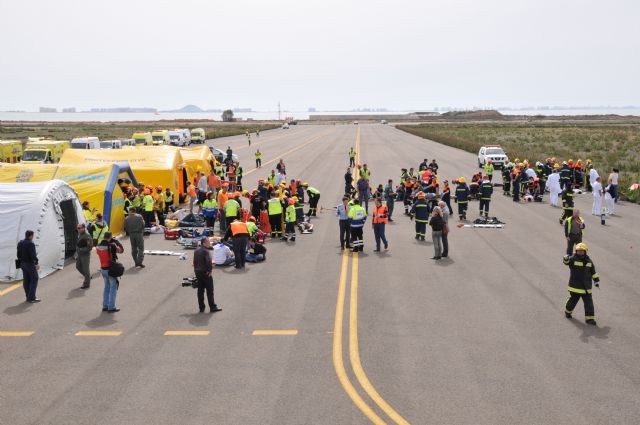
(571, 161)
(516, 160)
(245, 192)
(147, 191)
(159, 188)
(462, 180)
(588, 161)
(582, 246)
(295, 198)
(255, 191)
(520, 165)
(305, 184)
(556, 166)
(538, 164)
(278, 192)
(421, 195)
(291, 201)
(564, 162)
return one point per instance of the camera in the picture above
(190, 281)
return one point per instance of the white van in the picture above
(111, 144)
(85, 143)
(176, 138)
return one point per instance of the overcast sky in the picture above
(329, 54)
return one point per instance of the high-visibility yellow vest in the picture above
(274, 206)
(147, 202)
(231, 208)
(290, 215)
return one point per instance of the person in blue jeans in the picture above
(108, 251)
(380, 220)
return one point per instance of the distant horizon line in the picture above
(317, 110)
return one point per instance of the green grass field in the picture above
(608, 146)
(119, 130)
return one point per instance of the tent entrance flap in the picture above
(70, 223)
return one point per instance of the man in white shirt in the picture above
(596, 185)
(222, 255)
(202, 189)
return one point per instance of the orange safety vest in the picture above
(239, 228)
(380, 215)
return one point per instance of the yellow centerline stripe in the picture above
(275, 332)
(10, 288)
(16, 333)
(354, 352)
(186, 333)
(338, 362)
(99, 333)
(290, 151)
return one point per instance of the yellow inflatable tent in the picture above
(198, 159)
(152, 165)
(97, 184)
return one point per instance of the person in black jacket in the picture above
(462, 197)
(437, 224)
(582, 273)
(202, 266)
(486, 189)
(28, 260)
(348, 181)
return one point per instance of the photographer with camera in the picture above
(203, 267)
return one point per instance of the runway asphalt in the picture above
(395, 337)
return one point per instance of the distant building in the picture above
(45, 109)
(69, 110)
(242, 110)
(312, 110)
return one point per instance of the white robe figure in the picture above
(609, 201)
(553, 183)
(593, 175)
(597, 198)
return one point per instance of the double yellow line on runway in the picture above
(354, 349)
(290, 151)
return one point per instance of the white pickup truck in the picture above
(494, 153)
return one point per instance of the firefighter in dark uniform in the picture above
(420, 210)
(486, 189)
(565, 175)
(462, 197)
(582, 273)
(567, 203)
(506, 179)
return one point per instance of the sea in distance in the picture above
(265, 115)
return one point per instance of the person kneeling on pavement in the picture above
(222, 255)
(256, 252)
(239, 234)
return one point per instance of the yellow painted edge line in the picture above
(290, 151)
(10, 288)
(18, 333)
(274, 332)
(354, 350)
(186, 333)
(99, 333)
(338, 362)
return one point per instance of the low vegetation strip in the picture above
(608, 146)
(119, 130)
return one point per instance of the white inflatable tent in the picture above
(52, 210)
